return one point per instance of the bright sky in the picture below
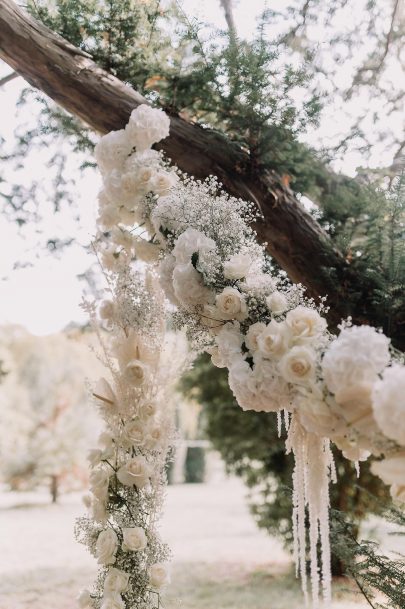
(45, 296)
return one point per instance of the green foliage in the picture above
(251, 448)
(364, 561)
(369, 228)
(244, 89)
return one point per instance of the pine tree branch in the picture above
(293, 237)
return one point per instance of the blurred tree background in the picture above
(46, 421)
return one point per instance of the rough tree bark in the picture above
(296, 241)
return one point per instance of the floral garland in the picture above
(127, 476)
(273, 340)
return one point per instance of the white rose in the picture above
(84, 600)
(357, 356)
(112, 601)
(134, 434)
(154, 438)
(192, 241)
(159, 576)
(162, 182)
(388, 400)
(298, 365)
(252, 335)
(94, 456)
(277, 302)
(106, 440)
(99, 512)
(147, 126)
(115, 581)
(273, 340)
(137, 372)
(189, 286)
(112, 150)
(106, 547)
(134, 539)
(147, 411)
(238, 266)
(305, 324)
(231, 304)
(135, 472)
(99, 481)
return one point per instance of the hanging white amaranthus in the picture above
(272, 339)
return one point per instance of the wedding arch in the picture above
(199, 247)
(199, 240)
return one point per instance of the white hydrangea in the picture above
(252, 335)
(358, 355)
(162, 182)
(391, 470)
(112, 150)
(317, 416)
(190, 242)
(188, 286)
(122, 189)
(388, 399)
(261, 389)
(229, 343)
(147, 126)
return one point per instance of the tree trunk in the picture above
(54, 487)
(293, 237)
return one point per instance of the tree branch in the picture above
(8, 78)
(230, 21)
(297, 242)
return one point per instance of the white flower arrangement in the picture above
(127, 469)
(274, 341)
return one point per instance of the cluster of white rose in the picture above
(127, 468)
(274, 342)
